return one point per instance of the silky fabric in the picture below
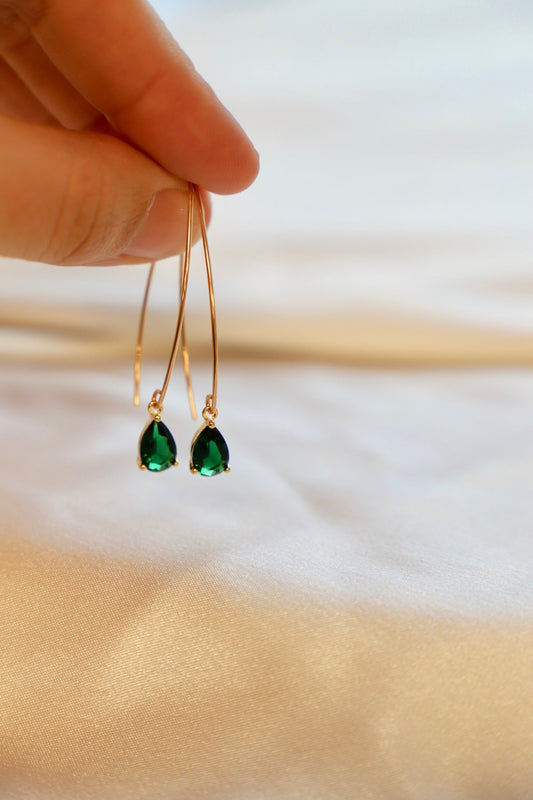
(348, 614)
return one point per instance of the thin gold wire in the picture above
(156, 404)
(159, 394)
(185, 355)
(210, 409)
(140, 336)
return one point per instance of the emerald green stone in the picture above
(157, 449)
(209, 452)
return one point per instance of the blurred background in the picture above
(394, 201)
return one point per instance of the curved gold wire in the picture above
(210, 410)
(156, 404)
(140, 335)
(140, 338)
(185, 355)
(159, 395)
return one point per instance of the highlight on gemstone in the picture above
(157, 449)
(209, 452)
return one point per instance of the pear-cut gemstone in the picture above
(157, 449)
(209, 452)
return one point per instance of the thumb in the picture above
(71, 197)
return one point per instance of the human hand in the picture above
(104, 121)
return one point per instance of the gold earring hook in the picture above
(210, 411)
(140, 335)
(185, 355)
(156, 404)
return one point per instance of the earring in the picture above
(209, 451)
(157, 448)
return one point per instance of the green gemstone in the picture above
(157, 449)
(209, 452)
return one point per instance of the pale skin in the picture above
(103, 120)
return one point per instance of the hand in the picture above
(103, 120)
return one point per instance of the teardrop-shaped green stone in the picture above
(157, 449)
(209, 452)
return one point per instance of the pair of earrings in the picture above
(157, 448)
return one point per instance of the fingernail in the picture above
(164, 230)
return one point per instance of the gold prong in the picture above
(142, 466)
(227, 469)
(176, 464)
(193, 470)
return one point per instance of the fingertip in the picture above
(253, 166)
(241, 167)
(249, 168)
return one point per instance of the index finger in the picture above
(121, 58)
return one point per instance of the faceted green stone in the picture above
(157, 449)
(209, 452)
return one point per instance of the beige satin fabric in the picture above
(368, 339)
(124, 681)
(346, 615)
